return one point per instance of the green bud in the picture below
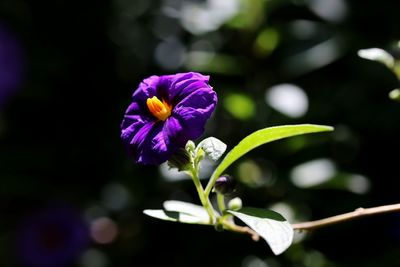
(190, 146)
(180, 160)
(199, 156)
(235, 204)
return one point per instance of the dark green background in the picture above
(59, 138)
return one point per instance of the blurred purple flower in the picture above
(166, 112)
(52, 237)
(11, 64)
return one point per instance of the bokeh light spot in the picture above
(358, 184)
(266, 41)
(253, 261)
(313, 173)
(288, 99)
(115, 196)
(103, 230)
(170, 54)
(172, 174)
(239, 105)
(330, 10)
(199, 18)
(251, 174)
(94, 258)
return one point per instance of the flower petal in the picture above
(186, 83)
(203, 99)
(194, 111)
(192, 122)
(134, 119)
(152, 145)
(174, 131)
(136, 141)
(146, 89)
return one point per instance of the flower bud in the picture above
(235, 204)
(190, 146)
(180, 160)
(225, 184)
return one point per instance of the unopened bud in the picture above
(180, 160)
(235, 204)
(225, 184)
(190, 146)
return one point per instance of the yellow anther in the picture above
(160, 110)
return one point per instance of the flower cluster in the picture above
(166, 111)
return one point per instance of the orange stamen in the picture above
(160, 110)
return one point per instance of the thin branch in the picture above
(358, 213)
(241, 229)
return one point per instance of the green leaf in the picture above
(213, 147)
(175, 216)
(186, 208)
(270, 225)
(259, 138)
(179, 211)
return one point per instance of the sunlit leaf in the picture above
(175, 216)
(270, 225)
(179, 211)
(186, 208)
(261, 137)
(213, 147)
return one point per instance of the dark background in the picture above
(73, 66)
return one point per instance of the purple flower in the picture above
(166, 112)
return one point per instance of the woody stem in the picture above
(358, 213)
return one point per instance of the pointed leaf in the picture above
(270, 225)
(259, 138)
(174, 216)
(186, 208)
(213, 147)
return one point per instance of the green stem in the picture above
(210, 186)
(221, 202)
(203, 199)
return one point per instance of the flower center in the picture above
(160, 110)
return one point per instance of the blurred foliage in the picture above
(74, 66)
